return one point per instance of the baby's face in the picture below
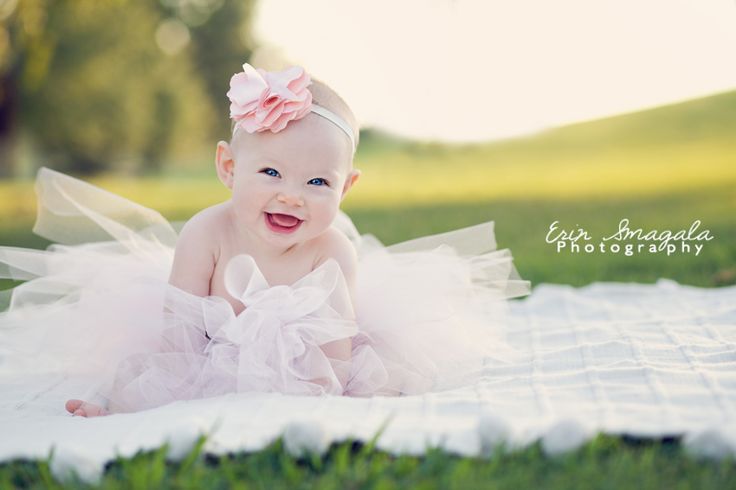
(301, 171)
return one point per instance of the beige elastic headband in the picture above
(330, 116)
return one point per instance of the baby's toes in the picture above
(73, 405)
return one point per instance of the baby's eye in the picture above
(322, 180)
(266, 170)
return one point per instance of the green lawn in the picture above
(605, 462)
(521, 226)
(661, 169)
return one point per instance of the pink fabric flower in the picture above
(261, 100)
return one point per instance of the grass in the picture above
(661, 169)
(522, 225)
(604, 462)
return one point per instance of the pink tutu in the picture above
(96, 304)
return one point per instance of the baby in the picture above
(289, 165)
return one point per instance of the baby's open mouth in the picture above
(283, 222)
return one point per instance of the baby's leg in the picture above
(85, 409)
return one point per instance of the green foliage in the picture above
(109, 94)
(220, 46)
(98, 86)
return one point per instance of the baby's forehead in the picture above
(307, 146)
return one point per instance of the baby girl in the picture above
(289, 164)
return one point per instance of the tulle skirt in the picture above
(96, 304)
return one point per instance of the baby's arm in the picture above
(342, 250)
(194, 257)
(191, 271)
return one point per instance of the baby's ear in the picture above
(349, 182)
(225, 163)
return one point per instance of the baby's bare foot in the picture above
(85, 409)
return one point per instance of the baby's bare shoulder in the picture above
(196, 252)
(334, 244)
(207, 223)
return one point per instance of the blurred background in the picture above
(581, 112)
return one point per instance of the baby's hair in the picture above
(325, 96)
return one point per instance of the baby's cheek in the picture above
(325, 214)
(248, 202)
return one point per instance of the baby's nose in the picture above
(291, 200)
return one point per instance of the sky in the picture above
(479, 70)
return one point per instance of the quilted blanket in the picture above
(648, 360)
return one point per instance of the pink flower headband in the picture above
(261, 100)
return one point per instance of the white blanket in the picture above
(640, 359)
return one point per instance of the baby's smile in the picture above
(283, 223)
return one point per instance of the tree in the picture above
(96, 88)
